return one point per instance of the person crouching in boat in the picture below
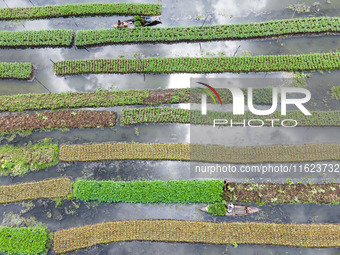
(121, 24)
(230, 207)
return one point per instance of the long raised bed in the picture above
(176, 115)
(200, 153)
(273, 28)
(18, 71)
(56, 119)
(53, 188)
(79, 10)
(39, 38)
(302, 235)
(246, 64)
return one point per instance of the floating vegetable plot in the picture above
(86, 9)
(273, 28)
(176, 115)
(40, 38)
(96, 99)
(200, 153)
(246, 64)
(53, 188)
(302, 235)
(299, 193)
(16, 161)
(21, 240)
(57, 119)
(19, 71)
(172, 191)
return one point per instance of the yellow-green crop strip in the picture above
(272, 28)
(245, 64)
(177, 115)
(79, 10)
(301, 235)
(39, 38)
(53, 188)
(19, 71)
(200, 153)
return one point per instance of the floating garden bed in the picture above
(24, 240)
(96, 99)
(246, 64)
(16, 161)
(172, 191)
(18, 71)
(302, 235)
(40, 38)
(79, 10)
(57, 119)
(273, 28)
(53, 188)
(200, 153)
(328, 193)
(176, 115)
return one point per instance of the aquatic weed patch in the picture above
(19, 71)
(176, 115)
(158, 65)
(54, 188)
(40, 38)
(19, 160)
(200, 153)
(57, 119)
(172, 191)
(272, 28)
(24, 240)
(79, 10)
(300, 235)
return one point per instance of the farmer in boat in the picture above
(230, 207)
(119, 23)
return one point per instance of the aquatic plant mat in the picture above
(57, 119)
(24, 240)
(40, 38)
(19, 160)
(19, 71)
(265, 63)
(177, 115)
(78, 10)
(298, 193)
(172, 191)
(272, 28)
(23, 102)
(200, 153)
(53, 188)
(301, 235)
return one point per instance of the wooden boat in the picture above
(239, 210)
(146, 21)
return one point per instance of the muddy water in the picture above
(175, 13)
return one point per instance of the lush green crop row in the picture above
(176, 115)
(53, 188)
(26, 241)
(209, 32)
(39, 38)
(16, 161)
(20, 71)
(302, 235)
(86, 9)
(172, 191)
(200, 153)
(24, 102)
(270, 63)
(327, 193)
